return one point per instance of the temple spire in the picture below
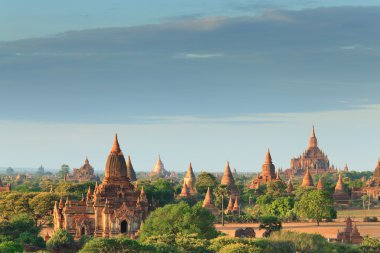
(268, 158)
(320, 184)
(208, 198)
(307, 179)
(227, 178)
(313, 142)
(339, 185)
(116, 147)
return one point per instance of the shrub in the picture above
(370, 219)
(61, 241)
(10, 247)
(304, 243)
(240, 248)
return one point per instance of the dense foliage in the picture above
(179, 218)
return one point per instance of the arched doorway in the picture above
(82, 231)
(123, 227)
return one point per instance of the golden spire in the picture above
(230, 204)
(227, 178)
(339, 185)
(236, 204)
(116, 147)
(268, 158)
(208, 198)
(313, 143)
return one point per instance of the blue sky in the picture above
(200, 81)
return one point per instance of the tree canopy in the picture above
(180, 218)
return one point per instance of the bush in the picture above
(118, 244)
(61, 241)
(240, 248)
(370, 219)
(304, 243)
(10, 247)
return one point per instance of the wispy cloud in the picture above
(197, 56)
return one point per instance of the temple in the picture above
(115, 207)
(340, 195)
(320, 184)
(190, 180)
(372, 187)
(208, 203)
(307, 180)
(268, 173)
(313, 159)
(229, 181)
(350, 234)
(83, 174)
(159, 170)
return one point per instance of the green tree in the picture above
(315, 205)
(270, 224)
(180, 218)
(61, 241)
(205, 180)
(43, 204)
(118, 244)
(10, 247)
(276, 188)
(370, 245)
(281, 207)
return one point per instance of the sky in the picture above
(194, 81)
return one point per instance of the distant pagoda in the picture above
(159, 170)
(83, 174)
(208, 203)
(190, 180)
(313, 159)
(320, 184)
(229, 181)
(340, 196)
(268, 173)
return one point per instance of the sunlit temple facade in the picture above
(313, 159)
(115, 207)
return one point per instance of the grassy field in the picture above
(358, 213)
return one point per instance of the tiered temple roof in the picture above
(350, 233)
(83, 174)
(313, 159)
(115, 207)
(268, 173)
